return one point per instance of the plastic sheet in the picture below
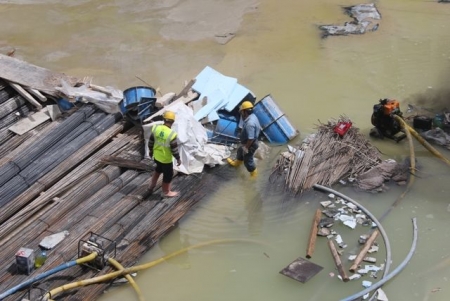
(107, 102)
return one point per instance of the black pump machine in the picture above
(384, 121)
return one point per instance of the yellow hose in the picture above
(134, 269)
(130, 279)
(412, 165)
(421, 140)
(87, 258)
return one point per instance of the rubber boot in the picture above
(254, 174)
(153, 182)
(234, 163)
(167, 192)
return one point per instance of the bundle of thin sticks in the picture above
(328, 157)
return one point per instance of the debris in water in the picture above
(366, 283)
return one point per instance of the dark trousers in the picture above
(248, 159)
(166, 169)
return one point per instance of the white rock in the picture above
(351, 224)
(339, 239)
(52, 240)
(354, 276)
(325, 204)
(373, 249)
(352, 206)
(381, 296)
(362, 271)
(366, 296)
(366, 283)
(344, 217)
(331, 196)
(372, 267)
(352, 257)
(370, 259)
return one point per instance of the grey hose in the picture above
(387, 244)
(393, 273)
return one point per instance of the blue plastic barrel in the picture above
(274, 123)
(133, 96)
(226, 130)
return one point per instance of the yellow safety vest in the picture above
(163, 135)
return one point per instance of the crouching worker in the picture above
(249, 139)
(163, 145)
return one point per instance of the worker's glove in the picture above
(178, 162)
(245, 150)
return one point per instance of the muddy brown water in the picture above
(276, 50)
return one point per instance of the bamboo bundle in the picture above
(60, 170)
(22, 218)
(329, 157)
(6, 92)
(57, 153)
(151, 228)
(87, 187)
(22, 159)
(14, 116)
(94, 222)
(90, 205)
(116, 161)
(18, 143)
(11, 104)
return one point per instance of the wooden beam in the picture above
(363, 251)
(26, 95)
(313, 234)
(337, 261)
(37, 93)
(29, 75)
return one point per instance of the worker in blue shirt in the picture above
(249, 139)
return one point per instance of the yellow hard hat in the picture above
(246, 105)
(169, 115)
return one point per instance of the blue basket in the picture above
(274, 124)
(133, 96)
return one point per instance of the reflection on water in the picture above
(276, 50)
(176, 242)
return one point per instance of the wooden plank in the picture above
(37, 93)
(313, 234)
(363, 251)
(32, 76)
(301, 270)
(26, 95)
(27, 124)
(337, 261)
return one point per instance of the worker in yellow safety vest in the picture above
(163, 146)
